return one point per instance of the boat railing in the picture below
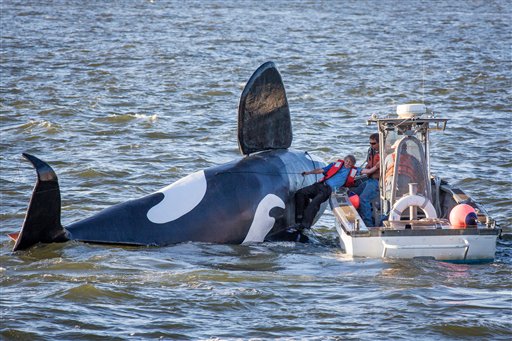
(345, 212)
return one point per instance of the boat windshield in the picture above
(404, 163)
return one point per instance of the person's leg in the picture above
(359, 188)
(370, 192)
(323, 193)
(302, 197)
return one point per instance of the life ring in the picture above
(412, 200)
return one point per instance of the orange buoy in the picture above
(463, 215)
(354, 199)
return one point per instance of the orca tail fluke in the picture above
(42, 221)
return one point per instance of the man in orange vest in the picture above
(308, 199)
(368, 190)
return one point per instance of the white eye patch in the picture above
(179, 198)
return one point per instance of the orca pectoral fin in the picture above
(42, 221)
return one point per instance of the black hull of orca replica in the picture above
(243, 201)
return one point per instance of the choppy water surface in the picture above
(124, 98)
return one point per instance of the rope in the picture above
(254, 172)
(314, 167)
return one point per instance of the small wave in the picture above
(49, 127)
(90, 173)
(338, 54)
(123, 118)
(459, 328)
(14, 334)
(22, 104)
(87, 292)
(130, 146)
(159, 135)
(30, 14)
(440, 91)
(218, 93)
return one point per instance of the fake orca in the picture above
(243, 201)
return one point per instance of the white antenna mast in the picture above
(423, 79)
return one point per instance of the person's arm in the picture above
(370, 171)
(314, 171)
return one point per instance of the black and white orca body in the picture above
(238, 202)
(243, 201)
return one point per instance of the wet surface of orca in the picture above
(243, 201)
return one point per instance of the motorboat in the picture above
(417, 214)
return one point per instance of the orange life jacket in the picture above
(335, 168)
(404, 168)
(372, 160)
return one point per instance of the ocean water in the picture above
(125, 97)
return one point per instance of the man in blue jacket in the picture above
(308, 199)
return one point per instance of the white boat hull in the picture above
(407, 240)
(447, 247)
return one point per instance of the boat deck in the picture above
(346, 217)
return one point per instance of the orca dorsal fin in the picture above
(263, 113)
